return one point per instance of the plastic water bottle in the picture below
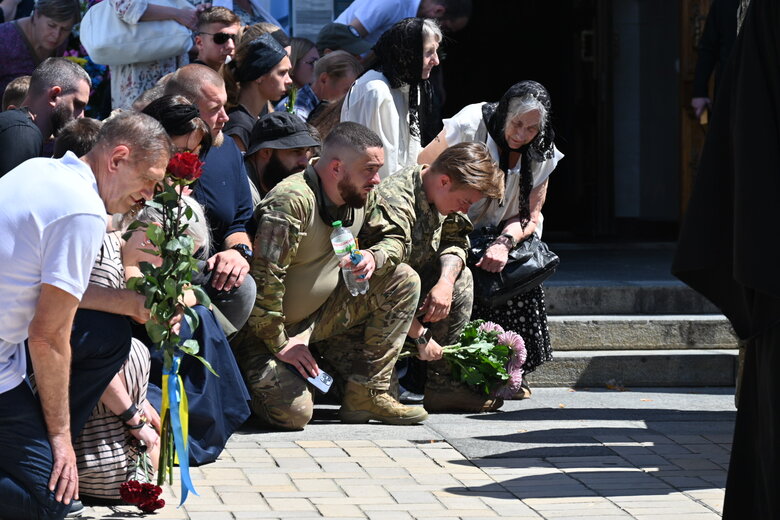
(344, 245)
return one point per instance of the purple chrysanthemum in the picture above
(515, 367)
(489, 326)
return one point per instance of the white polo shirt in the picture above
(52, 223)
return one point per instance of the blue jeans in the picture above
(100, 343)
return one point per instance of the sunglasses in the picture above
(220, 37)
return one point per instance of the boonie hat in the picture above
(337, 36)
(280, 131)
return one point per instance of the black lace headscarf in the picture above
(495, 116)
(399, 53)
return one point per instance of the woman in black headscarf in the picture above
(392, 97)
(518, 134)
(727, 250)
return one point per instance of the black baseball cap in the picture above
(280, 131)
(340, 37)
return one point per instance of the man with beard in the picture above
(223, 191)
(303, 301)
(280, 144)
(58, 93)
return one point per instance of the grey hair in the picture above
(60, 11)
(522, 105)
(143, 135)
(197, 227)
(57, 72)
(431, 31)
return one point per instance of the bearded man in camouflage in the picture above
(301, 300)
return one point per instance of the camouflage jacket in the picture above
(285, 219)
(428, 235)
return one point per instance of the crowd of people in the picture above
(332, 132)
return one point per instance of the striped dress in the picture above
(105, 450)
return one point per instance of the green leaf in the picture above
(157, 332)
(191, 317)
(206, 364)
(201, 295)
(170, 288)
(190, 346)
(173, 245)
(135, 283)
(155, 234)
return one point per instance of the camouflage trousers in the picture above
(376, 325)
(447, 331)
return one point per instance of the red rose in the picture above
(150, 506)
(185, 166)
(131, 491)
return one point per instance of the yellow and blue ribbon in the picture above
(174, 401)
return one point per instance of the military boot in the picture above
(361, 404)
(459, 398)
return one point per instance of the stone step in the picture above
(684, 332)
(566, 297)
(634, 368)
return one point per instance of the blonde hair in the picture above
(337, 64)
(470, 165)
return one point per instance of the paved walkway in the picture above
(646, 454)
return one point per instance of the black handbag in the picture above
(530, 263)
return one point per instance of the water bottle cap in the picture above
(336, 223)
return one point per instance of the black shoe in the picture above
(76, 509)
(409, 397)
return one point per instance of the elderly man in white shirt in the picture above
(52, 222)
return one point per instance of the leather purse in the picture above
(530, 263)
(111, 41)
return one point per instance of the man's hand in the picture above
(136, 307)
(187, 17)
(437, 304)
(699, 104)
(495, 258)
(297, 354)
(64, 481)
(229, 268)
(366, 267)
(431, 351)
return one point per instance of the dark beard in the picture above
(274, 173)
(352, 197)
(60, 117)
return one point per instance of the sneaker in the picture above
(361, 404)
(76, 509)
(409, 397)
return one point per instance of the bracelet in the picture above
(244, 251)
(139, 425)
(129, 413)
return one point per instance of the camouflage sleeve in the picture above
(455, 236)
(282, 218)
(387, 231)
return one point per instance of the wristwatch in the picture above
(424, 338)
(511, 242)
(244, 250)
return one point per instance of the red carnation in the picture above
(145, 496)
(185, 166)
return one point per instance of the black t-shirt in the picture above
(20, 139)
(240, 124)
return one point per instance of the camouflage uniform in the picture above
(429, 236)
(290, 226)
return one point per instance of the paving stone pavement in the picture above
(645, 454)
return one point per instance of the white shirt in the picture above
(371, 102)
(377, 16)
(463, 127)
(52, 223)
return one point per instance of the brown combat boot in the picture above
(361, 404)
